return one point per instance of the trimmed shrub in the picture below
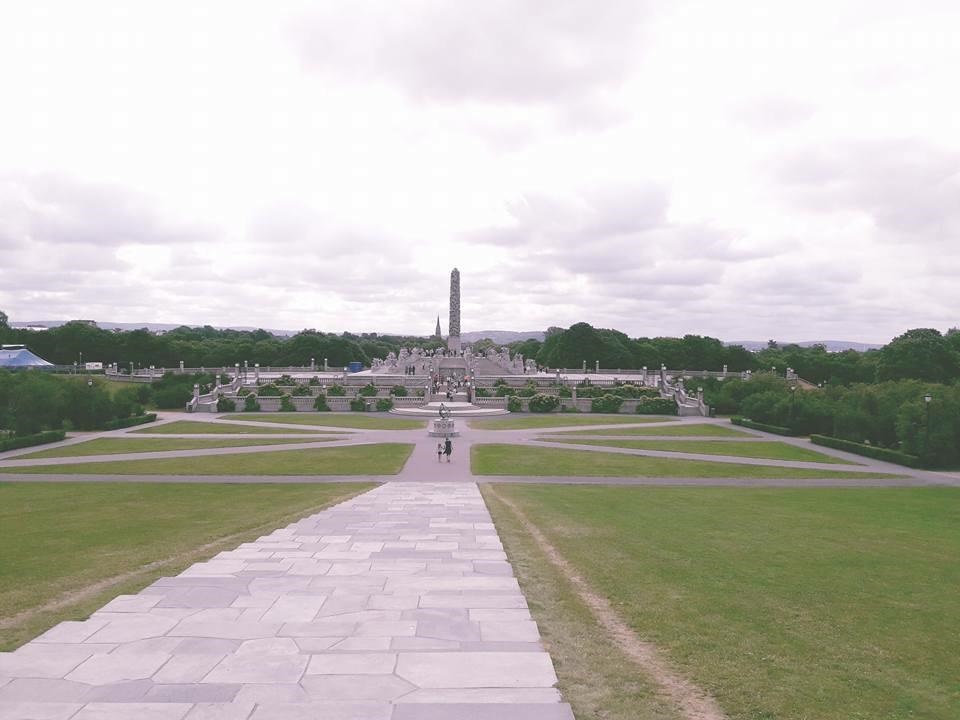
(314, 381)
(358, 405)
(250, 403)
(543, 403)
(225, 404)
(242, 392)
(321, 403)
(286, 380)
(286, 404)
(657, 406)
(481, 392)
(870, 451)
(398, 391)
(565, 392)
(129, 421)
(569, 409)
(514, 404)
(269, 390)
(368, 390)
(606, 404)
(336, 391)
(776, 429)
(384, 404)
(41, 438)
(301, 391)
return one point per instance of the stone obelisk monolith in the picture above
(453, 340)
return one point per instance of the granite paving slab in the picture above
(395, 605)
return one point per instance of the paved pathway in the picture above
(396, 605)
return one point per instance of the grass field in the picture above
(184, 427)
(60, 538)
(761, 449)
(114, 446)
(684, 430)
(786, 603)
(379, 459)
(524, 422)
(496, 459)
(344, 420)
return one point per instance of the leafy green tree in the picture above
(922, 354)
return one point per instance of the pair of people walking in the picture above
(444, 448)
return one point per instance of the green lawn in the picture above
(380, 459)
(684, 430)
(496, 459)
(115, 446)
(60, 538)
(523, 422)
(788, 603)
(345, 420)
(763, 449)
(184, 427)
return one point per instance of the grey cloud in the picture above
(910, 189)
(773, 114)
(59, 210)
(500, 51)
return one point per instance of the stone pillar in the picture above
(181, 367)
(256, 373)
(453, 340)
(597, 366)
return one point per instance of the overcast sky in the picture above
(747, 169)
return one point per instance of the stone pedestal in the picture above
(443, 427)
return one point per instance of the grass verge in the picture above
(379, 459)
(116, 446)
(788, 603)
(595, 677)
(679, 430)
(197, 427)
(524, 422)
(496, 459)
(345, 420)
(62, 539)
(759, 449)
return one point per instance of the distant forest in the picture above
(921, 354)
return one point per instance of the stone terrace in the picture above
(398, 604)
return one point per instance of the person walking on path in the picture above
(440, 449)
(448, 448)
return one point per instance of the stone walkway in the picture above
(396, 605)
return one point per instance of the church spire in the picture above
(437, 333)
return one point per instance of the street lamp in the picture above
(793, 394)
(926, 402)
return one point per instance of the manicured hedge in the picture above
(657, 406)
(514, 404)
(286, 404)
(384, 404)
(321, 403)
(129, 421)
(358, 405)
(41, 438)
(776, 429)
(870, 451)
(225, 404)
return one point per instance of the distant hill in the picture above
(830, 345)
(152, 327)
(502, 337)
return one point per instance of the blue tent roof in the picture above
(16, 356)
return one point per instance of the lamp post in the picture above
(926, 403)
(90, 394)
(793, 395)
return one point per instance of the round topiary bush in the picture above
(286, 404)
(541, 403)
(514, 404)
(368, 390)
(606, 404)
(358, 405)
(226, 405)
(321, 403)
(384, 404)
(398, 391)
(336, 391)
(250, 404)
